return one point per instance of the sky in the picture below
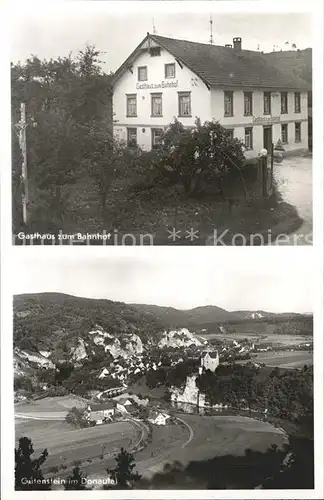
(244, 278)
(57, 28)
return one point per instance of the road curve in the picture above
(191, 432)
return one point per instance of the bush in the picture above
(76, 417)
(198, 157)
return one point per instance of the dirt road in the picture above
(294, 181)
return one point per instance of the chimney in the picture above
(228, 46)
(237, 43)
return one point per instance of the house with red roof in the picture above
(251, 94)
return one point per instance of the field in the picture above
(213, 436)
(48, 429)
(265, 337)
(294, 359)
(56, 406)
(66, 445)
(195, 438)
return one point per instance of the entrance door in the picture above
(267, 138)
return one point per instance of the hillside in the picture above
(44, 320)
(204, 316)
(41, 320)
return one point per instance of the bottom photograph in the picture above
(189, 370)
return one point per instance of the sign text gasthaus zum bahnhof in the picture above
(264, 120)
(162, 85)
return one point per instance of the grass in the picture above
(263, 334)
(156, 210)
(66, 445)
(54, 404)
(296, 359)
(213, 436)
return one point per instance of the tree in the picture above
(123, 474)
(198, 157)
(77, 480)
(77, 418)
(28, 474)
(298, 467)
(143, 412)
(63, 97)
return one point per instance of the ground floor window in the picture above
(248, 138)
(157, 137)
(284, 133)
(297, 132)
(230, 133)
(132, 137)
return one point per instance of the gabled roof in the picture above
(220, 66)
(109, 405)
(211, 354)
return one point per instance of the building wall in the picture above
(210, 363)
(205, 104)
(238, 121)
(185, 80)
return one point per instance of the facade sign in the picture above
(264, 120)
(162, 85)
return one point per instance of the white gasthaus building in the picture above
(248, 92)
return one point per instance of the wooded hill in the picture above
(42, 319)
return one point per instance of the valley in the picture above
(166, 394)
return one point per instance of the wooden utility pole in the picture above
(271, 168)
(21, 130)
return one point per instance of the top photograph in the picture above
(158, 125)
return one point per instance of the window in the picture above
(169, 70)
(184, 103)
(248, 104)
(297, 132)
(131, 105)
(142, 73)
(230, 133)
(228, 103)
(267, 103)
(297, 102)
(248, 138)
(284, 102)
(155, 51)
(156, 104)
(132, 137)
(157, 137)
(284, 133)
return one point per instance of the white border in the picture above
(8, 253)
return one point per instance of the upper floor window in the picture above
(248, 139)
(267, 103)
(156, 102)
(142, 73)
(297, 102)
(248, 104)
(131, 107)
(155, 51)
(228, 103)
(184, 103)
(297, 132)
(284, 102)
(169, 70)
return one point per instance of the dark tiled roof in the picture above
(223, 66)
(296, 62)
(102, 406)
